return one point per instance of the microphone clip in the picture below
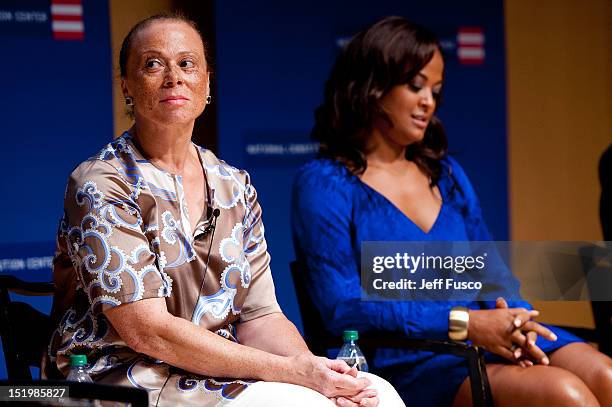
(211, 222)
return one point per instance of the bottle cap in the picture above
(350, 335)
(78, 360)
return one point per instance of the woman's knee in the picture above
(275, 394)
(592, 367)
(377, 382)
(566, 389)
(601, 380)
(387, 395)
(537, 386)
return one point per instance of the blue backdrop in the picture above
(272, 61)
(56, 111)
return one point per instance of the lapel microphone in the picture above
(211, 222)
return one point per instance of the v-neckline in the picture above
(395, 207)
(208, 190)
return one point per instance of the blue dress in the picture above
(332, 213)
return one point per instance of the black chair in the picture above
(25, 334)
(602, 310)
(591, 254)
(319, 341)
(596, 259)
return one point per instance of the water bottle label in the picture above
(359, 363)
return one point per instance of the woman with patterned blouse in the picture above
(162, 270)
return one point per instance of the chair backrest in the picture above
(25, 331)
(602, 310)
(596, 260)
(25, 334)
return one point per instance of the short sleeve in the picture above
(102, 229)
(261, 297)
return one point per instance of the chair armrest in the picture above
(94, 391)
(12, 283)
(479, 381)
(374, 340)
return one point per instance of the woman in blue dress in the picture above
(383, 175)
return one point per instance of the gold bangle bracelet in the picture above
(458, 320)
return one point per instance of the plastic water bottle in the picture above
(78, 372)
(350, 352)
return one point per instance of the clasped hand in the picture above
(510, 333)
(335, 380)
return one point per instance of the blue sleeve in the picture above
(477, 230)
(322, 225)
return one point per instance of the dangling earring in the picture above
(208, 99)
(129, 101)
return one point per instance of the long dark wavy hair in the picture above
(388, 53)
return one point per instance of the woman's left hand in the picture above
(525, 336)
(365, 398)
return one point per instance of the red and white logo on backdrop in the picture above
(67, 20)
(470, 46)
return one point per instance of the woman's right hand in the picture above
(494, 329)
(327, 376)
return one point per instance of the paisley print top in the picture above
(125, 236)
